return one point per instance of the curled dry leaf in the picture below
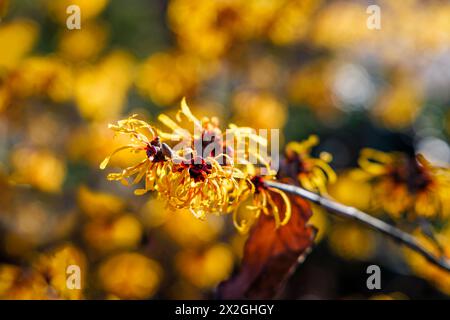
(271, 254)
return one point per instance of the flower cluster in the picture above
(197, 169)
(204, 171)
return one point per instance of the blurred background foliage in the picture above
(306, 67)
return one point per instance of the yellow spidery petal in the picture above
(325, 167)
(168, 122)
(287, 202)
(106, 161)
(374, 161)
(187, 112)
(275, 211)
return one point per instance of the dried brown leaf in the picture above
(271, 255)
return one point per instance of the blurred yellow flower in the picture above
(422, 268)
(340, 24)
(21, 284)
(38, 167)
(123, 232)
(188, 231)
(412, 39)
(262, 109)
(224, 23)
(207, 268)
(84, 44)
(435, 37)
(348, 184)
(46, 76)
(166, 77)
(292, 21)
(405, 185)
(17, 38)
(311, 86)
(216, 21)
(154, 213)
(130, 276)
(350, 241)
(99, 204)
(101, 90)
(54, 265)
(399, 105)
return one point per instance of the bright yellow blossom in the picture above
(262, 201)
(313, 174)
(193, 176)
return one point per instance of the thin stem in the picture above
(355, 214)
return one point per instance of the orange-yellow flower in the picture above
(313, 174)
(262, 201)
(192, 175)
(404, 185)
(130, 276)
(143, 139)
(202, 180)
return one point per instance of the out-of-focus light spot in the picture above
(188, 231)
(435, 150)
(17, 39)
(205, 269)
(351, 242)
(352, 87)
(130, 276)
(436, 76)
(153, 213)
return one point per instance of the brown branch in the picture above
(358, 215)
